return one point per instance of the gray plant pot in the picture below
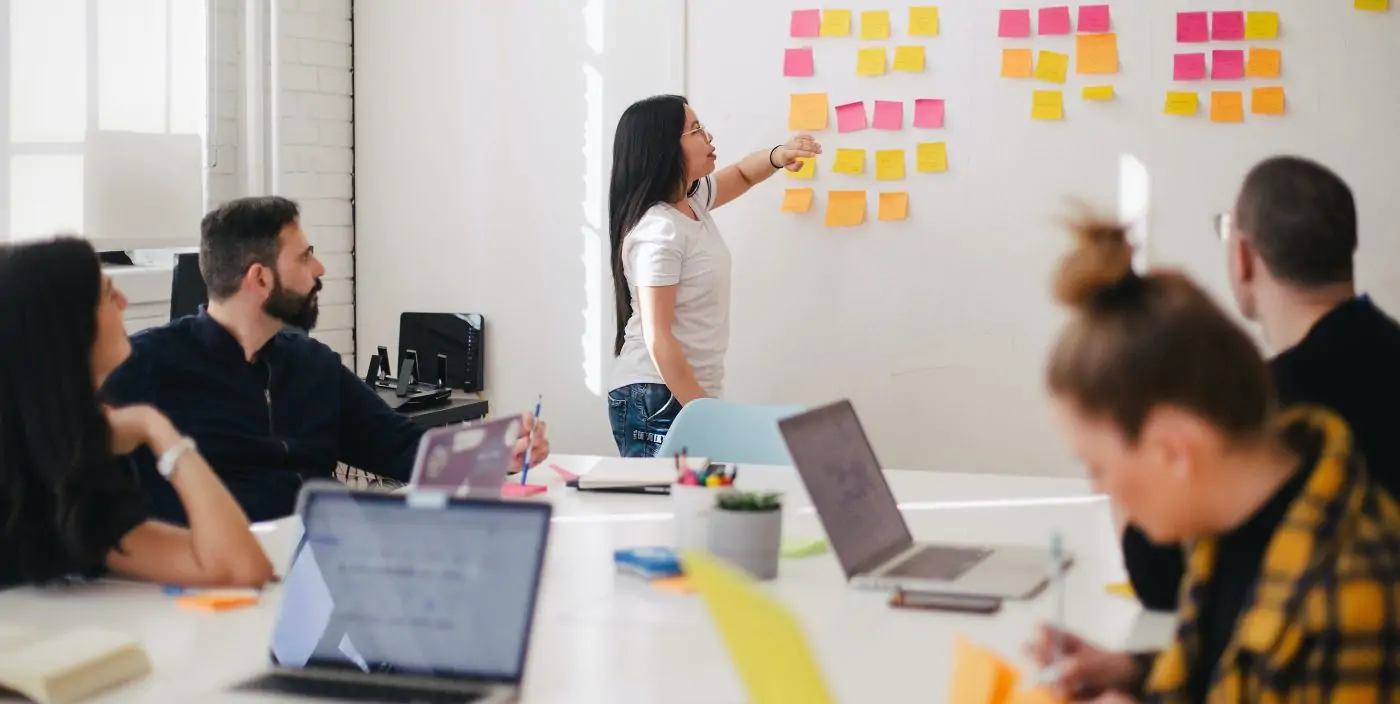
(749, 540)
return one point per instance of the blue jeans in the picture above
(641, 415)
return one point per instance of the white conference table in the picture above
(609, 638)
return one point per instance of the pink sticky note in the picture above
(928, 112)
(889, 115)
(798, 62)
(1227, 26)
(806, 23)
(1189, 67)
(1192, 27)
(1094, 18)
(1054, 20)
(1226, 64)
(1015, 23)
(512, 490)
(850, 117)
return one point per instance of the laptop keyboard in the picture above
(942, 564)
(356, 691)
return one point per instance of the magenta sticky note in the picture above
(1189, 67)
(806, 23)
(1054, 20)
(1226, 64)
(928, 112)
(1014, 23)
(1227, 26)
(798, 62)
(1094, 19)
(1192, 27)
(850, 117)
(889, 115)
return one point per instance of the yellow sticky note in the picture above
(870, 61)
(1048, 105)
(923, 21)
(1226, 106)
(1098, 92)
(1373, 5)
(932, 157)
(836, 23)
(909, 58)
(808, 169)
(797, 200)
(1263, 63)
(1052, 66)
(1096, 53)
(980, 675)
(1123, 589)
(849, 161)
(875, 24)
(889, 164)
(1268, 100)
(765, 642)
(1261, 25)
(1016, 63)
(894, 205)
(843, 209)
(1182, 103)
(807, 111)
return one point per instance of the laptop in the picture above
(414, 597)
(474, 457)
(868, 533)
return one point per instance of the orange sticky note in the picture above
(1182, 103)
(1226, 106)
(807, 111)
(845, 208)
(1263, 63)
(808, 169)
(894, 205)
(1048, 105)
(870, 61)
(1016, 63)
(1052, 66)
(1036, 695)
(1096, 53)
(836, 23)
(932, 157)
(1268, 100)
(980, 675)
(797, 200)
(679, 584)
(216, 602)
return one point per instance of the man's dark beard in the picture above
(296, 310)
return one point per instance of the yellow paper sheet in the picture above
(849, 161)
(807, 111)
(894, 205)
(1052, 66)
(909, 58)
(1048, 105)
(875, 24)
(1263, 63)
(1096, 53)
(797, 200)
(923, 21)
(1226, 106)
(808, 170)
(1268, 100)
(1098, 92)
(845, 208)
(1261, 25)
(836, 23)
(1373, 5)
(932, 157)
(980, 675)
(1182, 103)
(765, 643)
(889, 164)
(1016, 63)
(870, 61)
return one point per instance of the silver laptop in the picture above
(473, 457)
(868, 533)
(407, 598)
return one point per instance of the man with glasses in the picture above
(1291, 240)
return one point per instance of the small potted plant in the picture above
(746, 530)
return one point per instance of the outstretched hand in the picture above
(800, 146)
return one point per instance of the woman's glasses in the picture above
(698, 128)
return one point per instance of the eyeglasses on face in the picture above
(700, 129)
(1224, 225)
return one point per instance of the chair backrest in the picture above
(722, 431)
(187, 290)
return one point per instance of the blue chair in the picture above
(736, 433)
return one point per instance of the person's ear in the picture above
(1176, 441)
(1246, 260)
(258, 278)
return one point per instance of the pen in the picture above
(1057, 575)
(525, 465)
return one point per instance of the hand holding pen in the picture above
(530, 440)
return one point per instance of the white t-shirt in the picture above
(667, 248)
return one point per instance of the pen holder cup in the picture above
(749, 540)
(693, 506)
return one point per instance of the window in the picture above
(76, 66)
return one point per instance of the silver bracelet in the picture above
(168, 459)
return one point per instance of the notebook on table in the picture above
(59, 668)
(634, 475)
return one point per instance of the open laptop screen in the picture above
(388, 583)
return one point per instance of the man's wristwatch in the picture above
(170, 458)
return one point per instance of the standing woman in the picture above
(670, 267)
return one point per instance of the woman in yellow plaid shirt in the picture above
(1292, 592)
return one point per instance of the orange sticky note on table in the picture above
(797, 200)
(980, 675)
(845, 208)
(807, 170)
(836, 23)
(216, 602)
(894, 205)
(1052, 66)
(1268, 100)
(932, 157)
(1096, 53)
(1182, 103)
(1263, 63)
(807, 111)
(1016, 63)
(1226, 106)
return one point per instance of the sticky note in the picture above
(1096, 53)
(216, 602)
(1098, 92)
(889, 164)
(1014, 23)
(1123, 589)
(923, 21)
(1373, 5)
(849, 161)
(797, 200)
(889, 115)
(875, 24)
(1036, 695)
(1263, 63)
(1054, 20)
(1016, 63)
(1051, 66)
(806, 23)
(1226, 106)
(807, 111)
(1268, 100)
(795, 548)
(679, 584)
(1094, 18)
(1180, 103)
(836, 23)
(932, 157)
(1226, 64)
(797, 62)
(1048, 105)
(1261, 25)
(1193, 27)
(851, 117)
(1227, 26)
(765, 643)
(980, 675)
(894, 205)
(928, 113)
(909, 58)
(807, 170)
(1189, 67)
(844, 209)
(870, 61)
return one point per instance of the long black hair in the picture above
(648, 168)
(57, 472)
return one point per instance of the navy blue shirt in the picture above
(265, 426)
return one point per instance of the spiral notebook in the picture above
(634, 475)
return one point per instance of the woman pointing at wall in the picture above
(670, 266)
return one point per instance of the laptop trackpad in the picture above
(352, 691)
(939, 563)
